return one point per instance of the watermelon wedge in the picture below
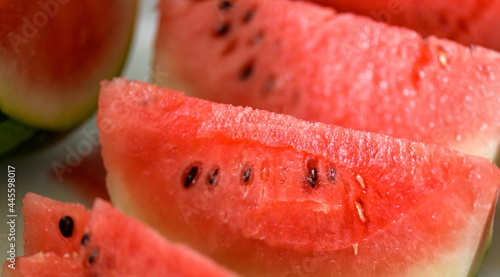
(468, 22)
(302, 59)
(53, 53)
(270, 195)
(112, 245)
(42, 220)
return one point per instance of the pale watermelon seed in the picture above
(361, 214)
(93, 256)
(443, 59)
(85, 239)
(191, 176)
(66, 226)
(222, 29)
(212, 177)
(333, 174)
(361, 181)
(269, 84)
(225, 5)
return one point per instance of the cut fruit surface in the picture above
(267, 194)
(302, 59)
(468, 22)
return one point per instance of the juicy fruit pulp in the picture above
(42, 232)
(306, 60)
(470, 22)
(267, 194)
(54, 53)
(112, 244)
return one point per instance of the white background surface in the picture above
(33, 171)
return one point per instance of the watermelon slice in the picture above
(112, 245)
(298, 58)
(53, 53)
(270, 195)
(43, 219)
(468, 22)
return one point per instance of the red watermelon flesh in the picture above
(270, 195)
(309, 61)
(42, 218)
(467, 21)
(111, 244)
(139, 251)
(46, 265)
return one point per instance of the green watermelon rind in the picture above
(72, 116)
(483, 250)
(13, 135)
(496, 159)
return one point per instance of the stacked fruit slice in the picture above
(67, 240)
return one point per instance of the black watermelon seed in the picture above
(190, 178)
(213, 176)
(312, 177)
(247, 70)
(66, 226)
(333, 174)
(225, 5)
(312, 172)
(93, 256)
(85, 239)
(246, 174)
(248, 16)
(222, 29)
